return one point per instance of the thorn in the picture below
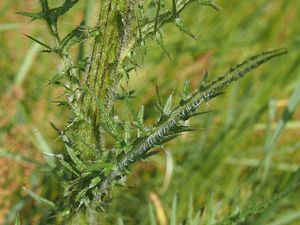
(39, 42)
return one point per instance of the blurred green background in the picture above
(244, 152)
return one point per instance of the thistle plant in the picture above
(100, 146)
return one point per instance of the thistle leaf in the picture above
(159, 39)
(81, 194)
(141, 115)
(33, 16)
(181, 129)
(204, 82)
(68, 4)
(94, 182)
(134, 114)
(78, 163)
(243, 68)
(108, 122)
(167, 138)
(186, 90)
(174, 8)
(163, 131)
(149, 154)
(41, 43)
(210, 3)
(157, 16)
(179, 23)
(200, 113)
(168, 106)
(41, 200)
(68, 167)
(79, 34)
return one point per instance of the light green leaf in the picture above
(168, 106)
(41, 200)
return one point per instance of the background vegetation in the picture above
(244, 152)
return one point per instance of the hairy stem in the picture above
(116, 28)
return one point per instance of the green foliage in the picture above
(123, 154)
(102, 142)
(41, 200)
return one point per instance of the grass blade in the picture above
(27, 63)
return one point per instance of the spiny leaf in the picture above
(56, 79)
(141, 114)
(41, 200)
(55, 128)
(78, 163)
(76, 36)
(95, 165)
(68, 167)
(211, 96)
(157, 15)
(180, 129)
(81, 194)
(168, 106)
(134, 114)
(182, 113)
(204, 82)
(168, 16)
(108, 122)
(94, 182)
(68, 4)
(186, 90)
(243, 68)
(174, 8)
(33, 16)
(107, 168)
(141, 120)
(48, 13)
(41, 43)
(122, 96)
(167, 138)
(179, 23)
(209, 3)
(149, 154)
(200, 113)
(65, 164)
(159, 39)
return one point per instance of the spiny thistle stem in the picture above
(116, 28)
(90, 166)
(183, 113)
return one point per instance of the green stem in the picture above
(116, 28)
